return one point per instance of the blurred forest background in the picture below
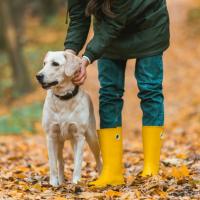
(28, 29)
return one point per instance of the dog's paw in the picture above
(61, 180)
(54, 182)
(75, 180)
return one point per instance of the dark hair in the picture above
(100, 8)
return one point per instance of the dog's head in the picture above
(57, 67)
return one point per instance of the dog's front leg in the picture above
(52, 144)
(78, 158)
(60, 162)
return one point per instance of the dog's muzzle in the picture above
(40, 78)
(48, 85)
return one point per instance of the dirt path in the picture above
(23, 160)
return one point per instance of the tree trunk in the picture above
(50, 7)
(19, 71)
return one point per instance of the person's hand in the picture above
(81, 75)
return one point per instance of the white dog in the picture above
(67, 114)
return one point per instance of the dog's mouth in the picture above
(48, 85)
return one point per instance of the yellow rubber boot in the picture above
(152, 143)
(110, 140)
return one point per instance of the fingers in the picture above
(76, 75)
(80, 76)
(81, 81)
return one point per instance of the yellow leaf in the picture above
(181, 156)
(26, 187)
(43, 170)
(20, 175)
(184, 171)
(138, 193)
(162, 193)
(22, 169)
(60, 198)
(112, 193)
(37, 187)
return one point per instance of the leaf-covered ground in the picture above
(24, 171)
(24, 161)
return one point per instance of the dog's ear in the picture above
(72, 64)
(46, 56)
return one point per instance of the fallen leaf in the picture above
(60, 198)
(112, 193)
(37, 187)
(138, 193)
(180, 172)
(162, 194)
(181, 156)
(184, 171)
(21, 175)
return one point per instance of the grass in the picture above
(21, 119)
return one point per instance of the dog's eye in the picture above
(55, 64)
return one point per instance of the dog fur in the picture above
(66, 120)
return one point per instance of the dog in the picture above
(67, 115)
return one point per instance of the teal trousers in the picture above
(149, 76)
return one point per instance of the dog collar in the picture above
(69, 94)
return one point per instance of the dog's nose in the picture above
(40, 77)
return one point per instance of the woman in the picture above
(123, 29)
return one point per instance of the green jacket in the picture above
(140, 28)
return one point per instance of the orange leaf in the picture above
(184, 171)
(60, 198)
(175, 173)
(20, 175)
(162, 193)
(180, 172)
(112, 193)
(181, 156)
(22, 169)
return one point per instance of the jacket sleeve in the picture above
(110, 29)
(78, 26)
